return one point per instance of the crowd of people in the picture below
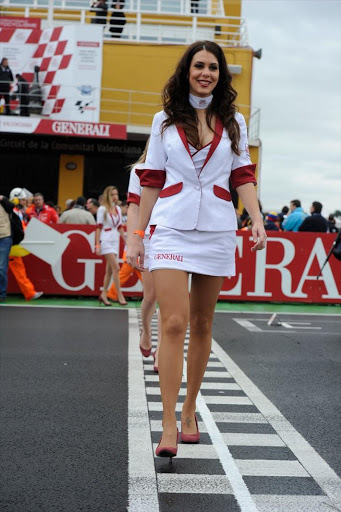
(293, 218)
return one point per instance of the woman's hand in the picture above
(135, 252)
(259, 235)
(97, 251)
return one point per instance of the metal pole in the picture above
(50, 13)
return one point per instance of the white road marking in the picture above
(314, 464)
(156, 426)
(271, 468)
(197, 484)
(217, 375)
(238, 486)
(237, 439)
(275, 503)
(227, 386)
(238, 417)
(228, 400)
(214, 364)
(142, 486)
(247, 325)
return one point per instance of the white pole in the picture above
(50, 13)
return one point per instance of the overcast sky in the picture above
(297, 86)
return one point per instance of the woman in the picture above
(149, 296)
(197, 143)
(108, 228)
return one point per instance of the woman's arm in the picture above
(135, 250)
(132, 219)
(247, 194)
(97, 244)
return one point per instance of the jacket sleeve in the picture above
(243, 170)
(134, 188)
(154, 174)
(7, 205)
(289, 223)
(100, 217)
(54, 215)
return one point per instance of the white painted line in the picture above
(156, 426)
(236, 439)
(238, 486)
(197, 484)
(287, 503)
(195, 451)
(282, 313)
(289, 326)
(217, 375)
(214, 364)
(253, 467)
(103, 308)
(321, 472)
(247, 325)
(142, 486)
(238, 417)
(157, 406)
(220, 385)
(228, 400)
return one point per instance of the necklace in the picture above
(200, 103)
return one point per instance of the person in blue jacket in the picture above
(296, 216)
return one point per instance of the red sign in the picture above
(17, 22)
(285, 271)
(69, 128)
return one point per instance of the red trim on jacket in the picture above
(218, 131)
(99, 226)
(133, 198)
(222, 193)
(242, 175)
(183, 137)
(172, 190)
(152, 177)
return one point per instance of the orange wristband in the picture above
(139, 232)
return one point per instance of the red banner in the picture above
(69, 128)
(18, 22)
(285, 271)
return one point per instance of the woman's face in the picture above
(114, 196)
(203, 74)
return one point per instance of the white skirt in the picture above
(110, 242)
(211, 253)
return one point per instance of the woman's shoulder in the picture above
(239, 118)
(101, 208)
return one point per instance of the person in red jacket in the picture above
(42, 211)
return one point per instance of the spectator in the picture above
(118, 19)
(239, 221)
(22, 92)
(41, 211)
(92, 206)
(194, 6)
(101, 9)
(296, 216)
(69, 203)
(283, 215)
(332, 224)
(78, 214)
(6, 208)
(58, 209)
(271, 222)
(315, 222)
(6, 78)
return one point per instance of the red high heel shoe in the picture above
(168, 451)
(191, 438)
(156, 368)
(145, 351)
(100, 299)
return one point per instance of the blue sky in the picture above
(297, 85)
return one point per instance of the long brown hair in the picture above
(176, 92)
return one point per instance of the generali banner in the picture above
(14, 124)
(284, 272)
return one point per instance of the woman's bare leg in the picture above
(147, 309)
(115, 269)
(156, 353)
(203, 298)
(171, 288)
(107, 278)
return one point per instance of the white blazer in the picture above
(188, 201)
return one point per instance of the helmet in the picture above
(18, 193)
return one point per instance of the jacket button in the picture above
(197, 188)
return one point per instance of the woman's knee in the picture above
(201, 325)
(174, 326)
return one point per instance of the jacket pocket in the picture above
(222, 193)
(172, 190)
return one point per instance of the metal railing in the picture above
(140, 25)
(133, 108)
